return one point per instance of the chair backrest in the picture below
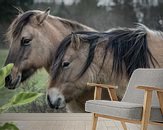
(146, 77)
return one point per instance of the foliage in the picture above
(4, 72)
(18, 99)
(7, 8)
(8, 126)
(37, 83)
(21, 98)
(3, 55)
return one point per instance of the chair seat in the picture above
(131, 111)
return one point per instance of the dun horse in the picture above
(34, 36)
(108, 57)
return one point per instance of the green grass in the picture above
(37, 83)
(3, 55)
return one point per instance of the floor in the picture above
(57, 121)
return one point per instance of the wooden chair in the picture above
(137, 106)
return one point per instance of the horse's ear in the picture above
(41, 17)
(20, 11)
(75, 41)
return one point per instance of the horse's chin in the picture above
(68, 100)
(57, 107)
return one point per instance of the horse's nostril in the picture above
(8, 78)
(48, 98)
(55, 104)
(59, 99)
(49, 102)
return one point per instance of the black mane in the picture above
(128, 46)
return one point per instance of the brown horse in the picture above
(34, 36)
(108, 57)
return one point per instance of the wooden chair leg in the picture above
(124, 125)
(112, 94)
(160, 98)
(146, 110)
(94, 121)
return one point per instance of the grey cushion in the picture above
(121, 109)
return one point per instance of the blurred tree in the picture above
(7, 8)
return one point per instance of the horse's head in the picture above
(27, 35)
(71, 71)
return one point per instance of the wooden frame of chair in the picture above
(146, 106)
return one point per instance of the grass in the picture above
(37, 83)
(3, 55)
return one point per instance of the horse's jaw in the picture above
(74, 107)
(26, 74)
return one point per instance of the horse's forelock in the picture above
(58, 57)
(17, 25)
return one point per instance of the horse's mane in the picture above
(72, 24)
(17, 25)
(128, 47)
(23, 19)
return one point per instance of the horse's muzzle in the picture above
(55, 105)
(10, 83)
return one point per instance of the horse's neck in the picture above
(155, 43)
(67, 26)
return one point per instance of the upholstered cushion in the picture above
(121, 109)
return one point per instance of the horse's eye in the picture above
(65, 64)
(25, 42)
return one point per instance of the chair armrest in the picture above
(150, 88)
(102, 86)
(98, 89)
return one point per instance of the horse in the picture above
(101, 57)
(34, 36)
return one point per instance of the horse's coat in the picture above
(108, 57)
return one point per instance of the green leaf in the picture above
(5, 97)
(19, 99)
(8, 126)
(5, 71)
(24, 98)
(5, 107)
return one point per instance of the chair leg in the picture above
(144, 126)
(124, 125)
(94, 122)
(146, 110)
